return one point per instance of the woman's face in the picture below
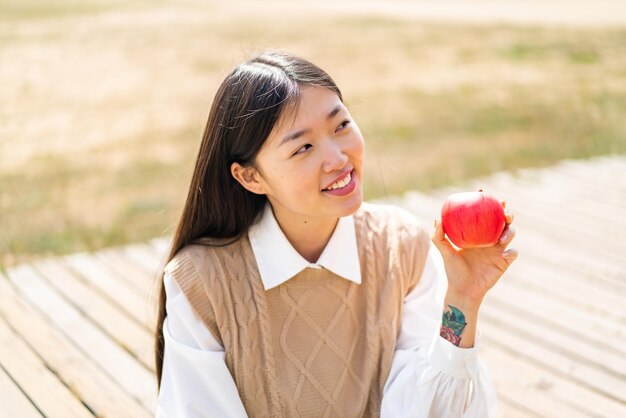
(305, 154)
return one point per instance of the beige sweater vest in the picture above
(317, 345)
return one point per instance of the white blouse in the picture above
(429, 376)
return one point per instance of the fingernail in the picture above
(504, 237)
(508, 254)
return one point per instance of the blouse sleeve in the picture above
(195, 382)
(430, 377)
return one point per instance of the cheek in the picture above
(295, 178)
(358, 145)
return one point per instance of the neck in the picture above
(308, 236)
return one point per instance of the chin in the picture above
(353, 206)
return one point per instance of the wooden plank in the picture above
(31, 374)
(592, 353)
(560, 317)
(162, 246)
(587, 173)
(603, 294)
(422, 206)
(119, 292)
(121, 365)
(558, 188)
(596, 381)
(590, 190)
(535, 388)
(117, 261)
(543, 366)
(508, 410)
(553, 192)
(14, 402)
(589, 181)
(135, 275)
(560, 231)
(527, 387)
(145, 256)
(565, 212)
(565, 229)
(91, 383)
(593, 300)
(122, 327)
(574, 262)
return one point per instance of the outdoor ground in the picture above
(103, 104)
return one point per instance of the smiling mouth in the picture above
(341, 183)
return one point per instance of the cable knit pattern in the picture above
(317, 345)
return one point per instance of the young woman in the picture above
(286, 295)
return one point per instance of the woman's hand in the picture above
(472, 272)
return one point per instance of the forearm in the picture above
(459, 319)
(435, 380)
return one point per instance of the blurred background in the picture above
(103, 103)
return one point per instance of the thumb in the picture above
(441, 241)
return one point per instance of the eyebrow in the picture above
(298, 134)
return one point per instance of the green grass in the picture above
(59, 208)
(471, 135)
(436, 103)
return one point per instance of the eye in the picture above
(301, 148)
(343, 124)
(341, 127)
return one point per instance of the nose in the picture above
(335, 158)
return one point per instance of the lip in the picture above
(348, 189)
(341, 176)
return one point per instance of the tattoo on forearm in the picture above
(452, 325)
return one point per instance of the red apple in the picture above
(472, 219)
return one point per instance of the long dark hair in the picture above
(248, 104)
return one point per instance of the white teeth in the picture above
(341, 183)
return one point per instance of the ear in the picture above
(248, 177)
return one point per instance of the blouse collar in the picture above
(278, 261)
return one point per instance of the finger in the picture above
(441, 241)
(508, 217)
(503, 203)
(510, 255)
(507, 236)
